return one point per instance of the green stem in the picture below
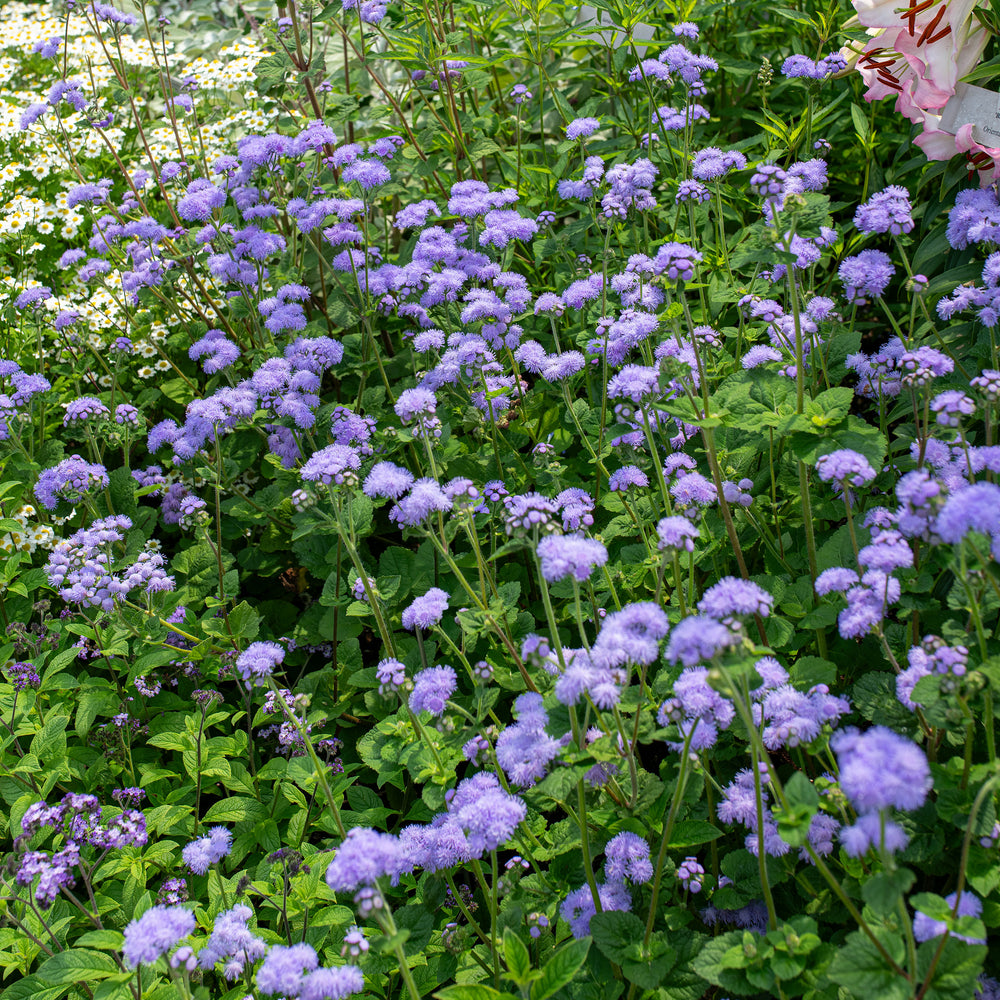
(318, 766)
(389, 927)
(668, 829)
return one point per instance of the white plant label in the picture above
(978, 107)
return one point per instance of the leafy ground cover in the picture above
(499, 500)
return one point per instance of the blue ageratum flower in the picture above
(157, 931)
(258, 661)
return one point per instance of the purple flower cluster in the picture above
(711, 164)
(258, 661)
(590, 180)
(334, 465)
(22, 675)
(563, 556)
(972, 508)
(739, 805)
(793, 718)
(866, 275)
(975, 218)
(480, 817)
(951, 407)
(578, 907)
(425, 497)
(820, 69)
(879, 771)
(427, 610)
(888, 211)
(627, 477)
(233, 943)
(630, 187)
(525, 750)
(867, 597)
(155, 933)
(209, 850)
(732, 597)
(70, 480)
(530, 513)
(218, 351)
(582, 128)
(676, 533)
(630, 636)
(82, 568)
(677, 61)
(285, 969)
(84, 409)
(698, 638)
(387, 480)
(362, 859)
(933, 657)
(501, 226)
(627, 859)
(691, 875)
(878, 373)
(845, 466)
(698, 710)
(79, 818)
(432, 688)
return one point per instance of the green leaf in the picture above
(860, 119)
(509, 593)
(651, 971)
(33, 988)
(269, 72)
(799, 792)
(113, 989)
(177, 389)
(957, 969)
(884, 890)
(515, 954)
(684, 983)
(417, 921)
(797, 16)
(102, 940)
(76, 965)
(860, 967)
(860, 436)
(692, 832)
(803, 804)
(560, 784)
(122, 487)
(482, 147)
(93, 701)
(927, 691)
(237, 809)
(362, 513)
(614, 932)
(829, 407)
(874, 696)
(709, 964)
(470, 991)
(808, 671)
(50, 741)
(931, 905)
(170, 740)
(560, 969)
(244, 621)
